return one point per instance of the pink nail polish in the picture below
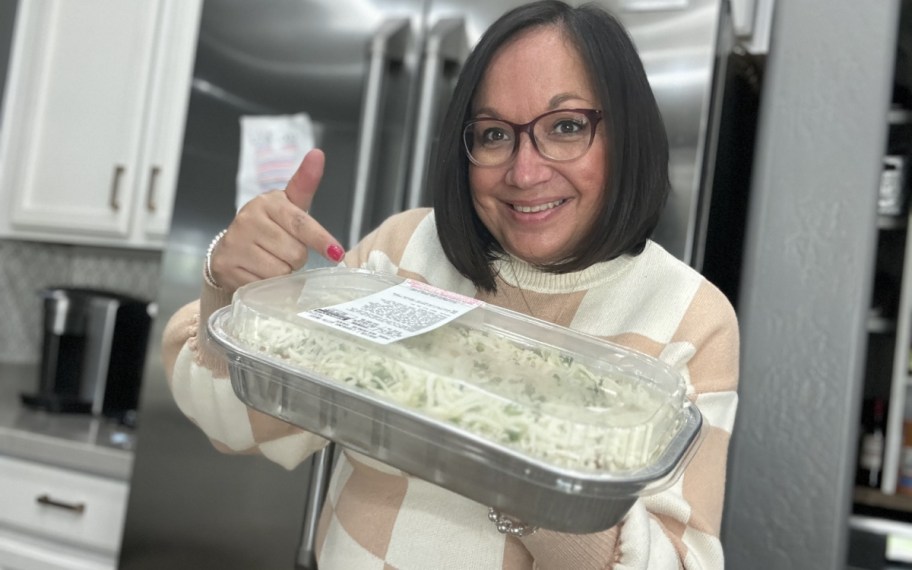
(335, 252)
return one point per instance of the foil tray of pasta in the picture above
(557, 428)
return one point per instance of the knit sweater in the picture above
(377, 517)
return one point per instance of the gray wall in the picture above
(807, 281)
(7, 22)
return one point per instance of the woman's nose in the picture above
(528, 168)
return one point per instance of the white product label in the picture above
(872, 451)
(401, 311)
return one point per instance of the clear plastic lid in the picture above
(566, 398)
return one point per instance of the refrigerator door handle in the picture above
(446, 44)
(389, 43)
(320, 473)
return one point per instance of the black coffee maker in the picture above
(93, 353)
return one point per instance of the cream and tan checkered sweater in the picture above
(376, 517)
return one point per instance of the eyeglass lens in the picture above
(557, 135)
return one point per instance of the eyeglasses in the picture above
(561, 135)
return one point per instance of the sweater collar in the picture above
(517, 273)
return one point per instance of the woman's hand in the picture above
(270, 235)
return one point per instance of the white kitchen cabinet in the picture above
(93, 121)
(57, 519)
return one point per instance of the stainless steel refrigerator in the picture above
(373, 75)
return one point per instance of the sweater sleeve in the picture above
(198, 378)
(677, 527)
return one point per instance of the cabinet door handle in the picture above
(48, 501)
(150, 193)
(115, 188)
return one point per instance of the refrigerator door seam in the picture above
(389, 43)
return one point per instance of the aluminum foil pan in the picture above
(537, 491)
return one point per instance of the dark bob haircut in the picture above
(637, 149)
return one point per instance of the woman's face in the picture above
(536, 208)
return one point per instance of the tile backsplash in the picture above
(28, 267)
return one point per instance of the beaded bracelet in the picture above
(207, 273)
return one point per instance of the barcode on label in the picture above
(333, 313)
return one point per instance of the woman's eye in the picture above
(568, 126)
(494, 135)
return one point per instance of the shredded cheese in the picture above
(540, 401)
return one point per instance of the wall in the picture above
(807, 281)
(7, 21)
(28, 267)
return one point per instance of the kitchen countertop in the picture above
(72, 441)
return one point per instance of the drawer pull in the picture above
(47, 500)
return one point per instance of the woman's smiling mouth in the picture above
(538, 208)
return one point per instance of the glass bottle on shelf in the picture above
(870, 453)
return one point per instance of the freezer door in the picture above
(349, 64)
(678, 42)
(453, 28)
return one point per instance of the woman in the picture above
(549, 179)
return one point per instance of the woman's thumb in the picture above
(306, 179)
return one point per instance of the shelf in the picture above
(877, 525)
(880, 500)
(898, 543)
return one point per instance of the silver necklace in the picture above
(522, 294)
